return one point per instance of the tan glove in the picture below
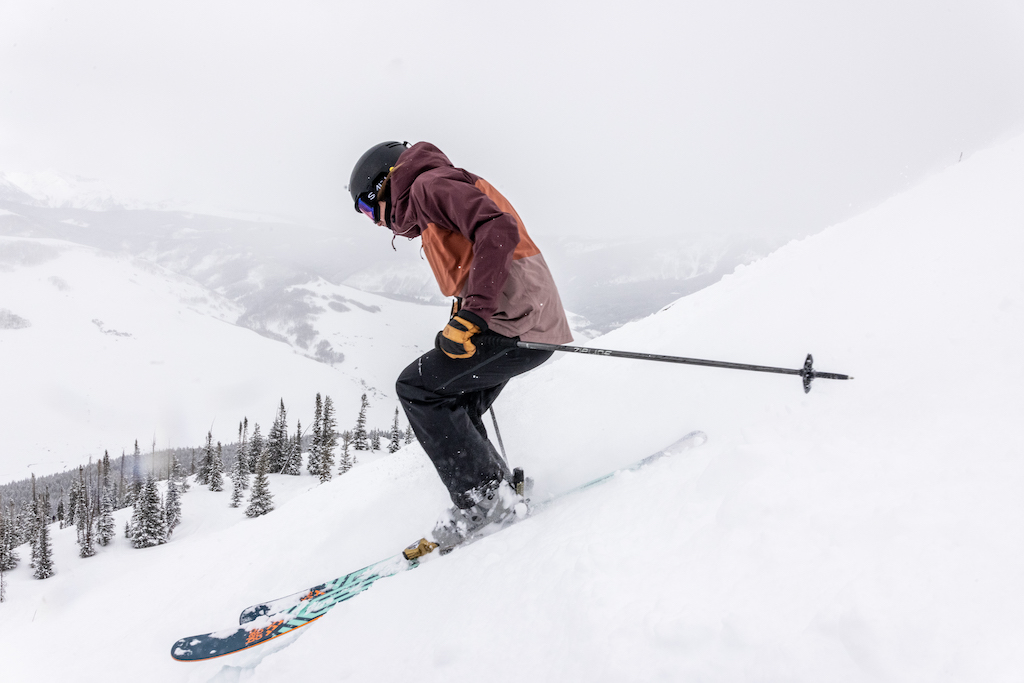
(454, 339)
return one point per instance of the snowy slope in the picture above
(866, 531)
(100, 350)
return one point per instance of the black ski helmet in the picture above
(371, 169)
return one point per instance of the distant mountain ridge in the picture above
(259, 264)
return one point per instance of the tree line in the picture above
(87, 498)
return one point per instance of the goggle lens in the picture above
(368, 209)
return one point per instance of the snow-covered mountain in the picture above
(866, 531)
(605, 283)
(99, 349)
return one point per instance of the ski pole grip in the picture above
(496, 341)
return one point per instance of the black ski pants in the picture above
(444, 399)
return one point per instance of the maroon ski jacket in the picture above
(476, 245)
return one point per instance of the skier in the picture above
(481, 255)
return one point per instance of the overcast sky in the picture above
(592, 117)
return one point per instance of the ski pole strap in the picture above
(807, 372)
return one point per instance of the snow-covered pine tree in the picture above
(375, 440)
(313, 462)
(395, 436)
(293, 453)
(277, 440)
(172, 504)
(60, 510)
(44, 556)
(31, 525)
(74, 492)
(137, 481)
(346, 460)
(409, 435)
(105, 523)
(105, 529)
(243, 452)
(238, 480)
(359, 439)
(84, 519)
(46, 507)
(261, 501)
(256, 447)
(8, 540)
(328, 439)
(216, 476)
(119, 501)
(149, 523)
(205, 461)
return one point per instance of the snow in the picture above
(53, 188)
(113, 349)
(868, 530)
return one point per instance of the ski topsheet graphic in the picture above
(267, 620)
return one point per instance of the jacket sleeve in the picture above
(456, 204)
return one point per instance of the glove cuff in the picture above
(471, 317)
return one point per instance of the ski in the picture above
(268, 620)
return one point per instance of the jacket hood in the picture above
(413, 163)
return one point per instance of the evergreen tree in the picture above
(359, 440)
(73, 493)
(32, 524)
(328, 439)
(238, 480)
(137, 483)
(105, 526)
(346, 460)
(313, 464)
(409, 435)
(172, 505)
(277, 440)
(375, 440)
(84, 519)
(293, 453)
(44, 561)
(261, 501)
(205, 462)
(395, 436)
(8, 540)
(256, 447)
(243, 452)
(22, 525)
(149, 524)
(216, 474)
(60, 511)
(122, 494)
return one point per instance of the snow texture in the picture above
(867, 531)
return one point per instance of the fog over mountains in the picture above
(124, 321)
(260, 263)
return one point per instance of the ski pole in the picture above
(497, 432)
(807, 372)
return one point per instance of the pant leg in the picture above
(444, 400)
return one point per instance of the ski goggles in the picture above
(371, 211)
(368, 203)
